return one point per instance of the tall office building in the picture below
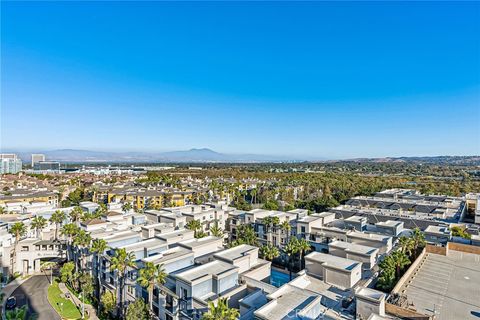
(46, 166)
(37, 157)
(8, 156)
(9, 163)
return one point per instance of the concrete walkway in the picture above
(90, 312)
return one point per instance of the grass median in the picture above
(64, 307)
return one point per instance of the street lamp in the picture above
(82, 296)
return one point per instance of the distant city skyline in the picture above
(311, 79)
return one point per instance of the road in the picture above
(35, 291)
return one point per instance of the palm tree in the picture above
(3, 210)
(291, 249)
(418, 240)
(38, 224)
(400, 260)
(269, 252)
(18, 229)
(216, 231)
(76, 214)
(303, 247)
(82, 240)
(245, 235)
(253, 193)
(17, 313)
(406, 245)
(194, 225)
(285, 225)
(150, 276)
(57, 217)
(221, 311)
(120, 263)
(48, 265)
(98, 246)
(126, 207)
(386, 280)
(69, 230)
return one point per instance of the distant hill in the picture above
(193, 155)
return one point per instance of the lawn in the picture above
(68, 310)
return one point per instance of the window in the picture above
(25, 248)
(184, 293)
(303, 229)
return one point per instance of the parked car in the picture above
(11, 303)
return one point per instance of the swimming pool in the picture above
(278, 278)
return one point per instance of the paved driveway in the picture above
(34, 290)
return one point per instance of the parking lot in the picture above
(446, 286)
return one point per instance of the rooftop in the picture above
(352, 247)
(447, 286)
(333, 261)
(212, 269)
(236, 252)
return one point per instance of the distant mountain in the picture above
(192, 155)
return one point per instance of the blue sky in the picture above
(332, 80)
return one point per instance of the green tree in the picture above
(98, 247)
(69, 230)
(38, 224)
(18, 230)
(120, 263)
(458, 231)
(150, 276)
(49, 265)
(76, 214)
(82, 241)
(194, 225)
(66, 273)
(419, 242)
(137, 310)
(216, 231)
(245, 235)
(17, 314)
(291, 249)
(221, 311)
(108, 302)
(270, 205)
(303, 248)
(286, 227)
(126, 207)
(57, 217)
(269, 252)
(406, 245)
(85, 282)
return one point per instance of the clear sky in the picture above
(332, 80)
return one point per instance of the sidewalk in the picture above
(89, 309)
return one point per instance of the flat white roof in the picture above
(236, 252)
(288, 299)
(371, 236)
(389, 223)
(354, 248)
(333, 261)
(168, 255)
(194, 243)
(212, 269)
(176, 234)
(438, 230)
(370, 294)
(149, 243)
